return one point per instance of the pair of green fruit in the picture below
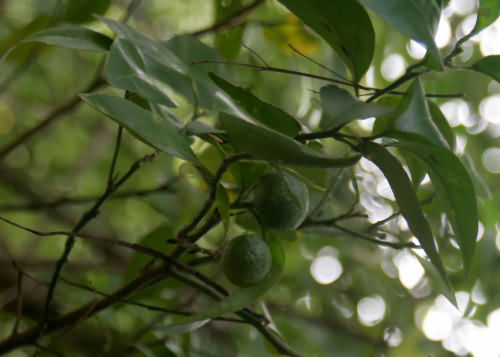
(280, 202)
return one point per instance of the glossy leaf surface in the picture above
(72, 37)
(353, 41)
(453, 185)
(340, 107)
(265, 113)
(417, 19)
(160, 134)
(267, 144)
(406, 198)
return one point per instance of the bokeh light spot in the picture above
(491, 160)
(371, 310)
(393, 67)
(326, 269)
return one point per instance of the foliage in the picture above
(244, 119)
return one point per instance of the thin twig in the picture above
(211, 198)
(319, 64)
(234, 20)
(116, 152)
(52, 116)
(84, 199)
(327, 79)
(87, 217)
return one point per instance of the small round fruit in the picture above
(246, 260)
(281, 201)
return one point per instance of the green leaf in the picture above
(160, 134)
(265, 113)
(417, 19)
(72, 37)
(11, 41)
(406, 198)
(487, 13)
(164, 66)
(453, 185)
(267, 144)
(489, 65)
(155, 351)
(344, 25)
(130, 69)
(228, 42)
(175, 63)
(240, 298)
(414, 116)
(443, 285)
(194, 54)
(81, 11)
(223, 206)
(340, 107)
(442, 124)
(156, 240)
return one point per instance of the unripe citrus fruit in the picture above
(281, 201)
(246, 260)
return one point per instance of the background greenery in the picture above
(339, 295)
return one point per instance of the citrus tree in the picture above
(249, 178)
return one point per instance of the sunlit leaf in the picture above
(488, 12)
(417, 19)
(242, 297)
(414, 116)
(453, 185)
(267, 144)
(406, 198)
(489, 65)
(352, 40)
(340, 107)
(158, 133)
(265, 113)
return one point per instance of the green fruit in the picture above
(246, 260)
(281, 201)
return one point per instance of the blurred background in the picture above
(339, 296)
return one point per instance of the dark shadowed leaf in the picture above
(129, 68)
(407, 200)
(442, 124)
(228, 42)
(352, 40)
(417, 19)
(453, 185)
(265, 113)
(73, 37)
(159, 133)
(340, 107)
(80, 11)
(267, 144)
